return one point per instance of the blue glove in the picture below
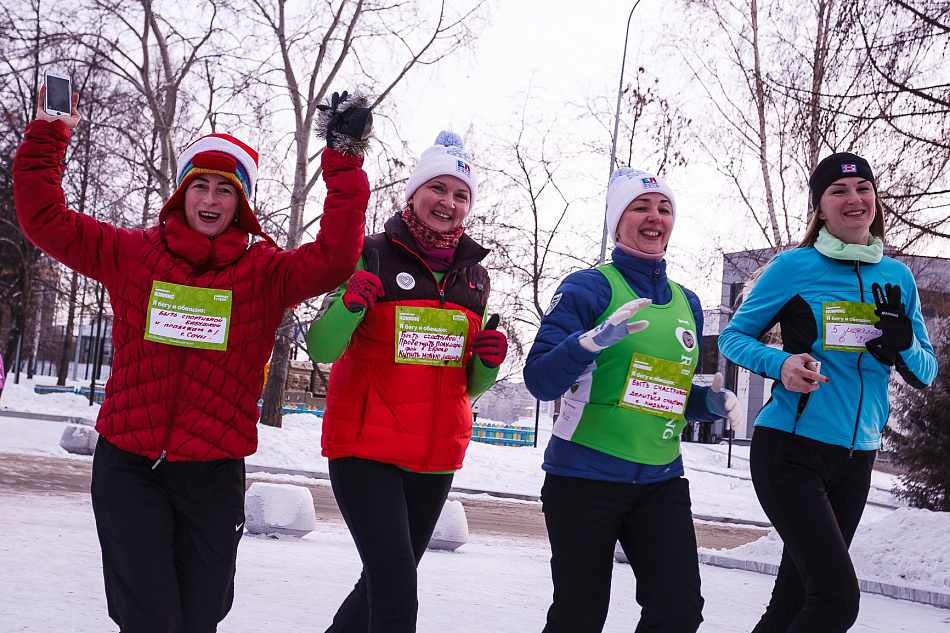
(615, 328)
(724, 403)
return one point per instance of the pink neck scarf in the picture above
(426, 236)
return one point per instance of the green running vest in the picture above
(590, 413)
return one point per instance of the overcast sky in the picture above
(563, 50)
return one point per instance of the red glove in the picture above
(490, 345)
(362, 291)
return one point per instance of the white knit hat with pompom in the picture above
(446, 158)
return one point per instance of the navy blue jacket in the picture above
(556, 360)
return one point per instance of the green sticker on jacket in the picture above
(188, 317)
(848, 325)
(657, 386)
(430, 336)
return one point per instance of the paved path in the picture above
(35, 474)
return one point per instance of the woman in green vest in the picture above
(614, 470)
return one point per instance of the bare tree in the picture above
(905, 45)
(26, 46)
(652, 126)
(154, 49)
(317, 46)
(791, 83)
(532, 224)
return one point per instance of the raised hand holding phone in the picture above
(58, 94)
(71, 120)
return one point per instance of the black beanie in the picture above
(831, 168)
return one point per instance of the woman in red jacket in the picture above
(398, 417)
(196, 310)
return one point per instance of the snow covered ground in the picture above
(52, 581)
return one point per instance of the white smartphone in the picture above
(59, 95)
(813, 366)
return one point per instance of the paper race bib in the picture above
(657, 386)
(430, 336)
(847, 325)
(187, 316)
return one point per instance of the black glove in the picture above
(897, 331)
(346, 122)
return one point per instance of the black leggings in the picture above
(586, 518)
(814, 494)
(391, 514)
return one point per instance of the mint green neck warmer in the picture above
(830, 246)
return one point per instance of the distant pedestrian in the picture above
(613, 464)
(411, 349)
(841, 303)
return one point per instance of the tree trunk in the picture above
(62, 369)
(817, 83)
(35, 344)
(273, 397)
(760, 105)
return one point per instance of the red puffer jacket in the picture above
(192, 404)
(414, 416)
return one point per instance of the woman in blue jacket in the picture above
(614, 470)
(848, 315)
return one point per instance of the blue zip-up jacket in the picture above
(852, 409)
(557, 359)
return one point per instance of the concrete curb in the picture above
(273, 470)
(713, 519)
(923, 596)
(69, 419)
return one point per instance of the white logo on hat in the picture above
(650, 183)
(464, 168)
(405, 281)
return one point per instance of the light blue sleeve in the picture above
(917, 365)
(739, 341)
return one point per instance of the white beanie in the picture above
(626, 185)
(446, 158)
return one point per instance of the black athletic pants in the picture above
(585, 519)
(169, 539)
(814, 494)
(391, 514)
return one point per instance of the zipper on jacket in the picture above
(434, 422)
(433, 425)
(172, 409)
(857, 417)
(802, 403)
(440, 286)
